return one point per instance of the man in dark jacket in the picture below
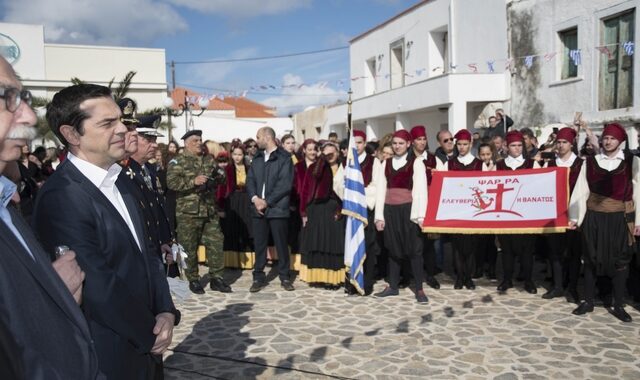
(269, 185)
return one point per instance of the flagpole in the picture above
(349, 103)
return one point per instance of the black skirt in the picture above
(323, 237)
(402, 237)
(605, 242)
(295, 231)
(236, 225)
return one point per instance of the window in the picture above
(616, 68)
(569, 41)
(438, 52)
(370, 76)
(397, 64)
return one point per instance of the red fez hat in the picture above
(403, 134)
(566, 133)
(514, 136)
(418, 131)
(463, 134)
(615, 130)
(357, 133)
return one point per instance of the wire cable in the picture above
(251, 59)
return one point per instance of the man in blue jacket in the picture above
(269, 185)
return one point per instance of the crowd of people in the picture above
(91, 231)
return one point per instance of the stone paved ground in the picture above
(317, 334)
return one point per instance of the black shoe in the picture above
(458, 284)
(257, 286)
(469, 284)
(195, 287)
(618, 312)
(387, 292)
(584, 308)
(530, 287)
(432, 282)
(421, 297)
(287, 285)
(218, 284)
(553, 293)
(505, 285)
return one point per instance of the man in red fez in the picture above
(602, 205)
(517, 244)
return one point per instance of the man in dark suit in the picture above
(43, 334)
(82, 205)
(269, 184)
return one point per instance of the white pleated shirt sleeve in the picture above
(338, 182)
(381, 191)
(419, 193)
(370, 191)
(635, 179)
(578, 201)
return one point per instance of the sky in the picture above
(205, 30)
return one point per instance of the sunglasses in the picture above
(251, 146)
(447, 140)
(14, 97)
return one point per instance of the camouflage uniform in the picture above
(196, 217)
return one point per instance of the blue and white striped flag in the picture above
(354, 206)
(629, 47)
(576, 56)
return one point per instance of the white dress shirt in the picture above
(105, 181)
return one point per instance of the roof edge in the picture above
(408, 10)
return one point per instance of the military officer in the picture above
(194, 177)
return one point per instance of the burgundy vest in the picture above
(615, 184)
(574, 171)
(454, 164)
(401, 178)
(527, 164)
(367, 169)
(429, 164)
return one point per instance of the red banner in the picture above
(498, 202)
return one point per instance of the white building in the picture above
(602, 85)
(46, 68)
(226, 119)
(415, 68)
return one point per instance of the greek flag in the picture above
(576, 56)
(628, 47)
(354, 206)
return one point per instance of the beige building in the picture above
(308, 124)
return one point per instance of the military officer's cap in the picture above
(195, 132)
(148, 125)
(128, 107)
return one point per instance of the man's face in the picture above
(261, 140)
(360, 144)
(515, 149)
(147, 147)
(333, 138)
(420, 144)
(563, 147)
(310, 152)
(497, 143)
(610, 144)
(193, 144)
(446, 142)
(103, 140)
(131, 141)
(400, 146)
(485, 154)
(289, 145)
(492, 122)
(463, 147)
(20, 122)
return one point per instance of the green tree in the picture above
(120, 91)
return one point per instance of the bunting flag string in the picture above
(575, 56)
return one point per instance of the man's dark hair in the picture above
(344, 144)
(332, 134)
(492, 117)
(286, 137)
(371, 147)
(64, 108)
(527, 132)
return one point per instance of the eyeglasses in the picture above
(251, 146)
(13, 97)
(447, 140)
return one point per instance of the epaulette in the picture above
(173, 161)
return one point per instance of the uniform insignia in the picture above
(130, 173)
(173, 161)
(159, 186)
(128, 109)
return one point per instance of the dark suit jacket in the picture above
(42, 327)
(277, 177)
(124, 288)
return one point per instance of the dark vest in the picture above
(430, 164)
(615, 184)
(574, 171)
(454, 164)
(527, 164)
(367, 169)
(401, 178)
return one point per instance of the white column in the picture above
(457, 116)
